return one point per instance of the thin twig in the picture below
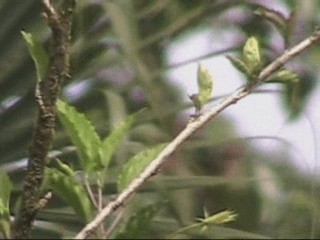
(90, 193)
(44, 200)
(100, 205)
(190, 129)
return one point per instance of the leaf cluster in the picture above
(119, 66)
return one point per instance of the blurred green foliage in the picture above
(119, 66)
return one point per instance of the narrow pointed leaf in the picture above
(137, 164)
(202, 226)
(64, 168)
(71, 191)
(240, 65)
(82, 134)
(205, 82)
(38, 55)
(284, 76)
(5, 226)
(206, 213)
(192, 227)
(220, 218)
(252, 56)
(5, 191)
(110, 143)
(291, 26)
(294, 98)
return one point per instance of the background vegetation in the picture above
(118, 67)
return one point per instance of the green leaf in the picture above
(5, 191)
(110, 143)
(137, 164)
(284, 76)
(70, 190)
(141, 217)
(5, 226)
(297, 93)
(83, 136)
(240, 65)
(252, 56)
(38, 55)
(64, 168)
(291, 25)
(294, 98)
(205, 82)
(219, 218)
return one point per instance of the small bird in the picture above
(205, 84)
(197, 104)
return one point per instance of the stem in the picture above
(90, 193)
(46, 95)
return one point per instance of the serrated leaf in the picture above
(137, 164)
(71, 191)
(239, 64)
(205, 82)
(110, 143)
(82, 134)
(251, 56)
(38, 55)
(142, 217)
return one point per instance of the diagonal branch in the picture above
(46, 95)
(191, 128)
